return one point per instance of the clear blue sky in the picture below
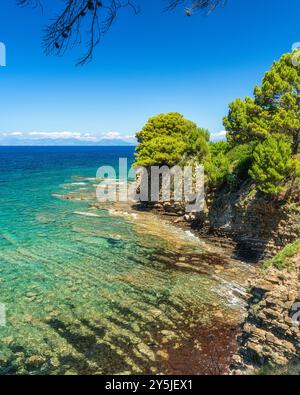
(147, 64)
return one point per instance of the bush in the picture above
(219, 147)
(227, 165)
(283, 259)
(197, 147)
(241, 158)
(272, 165)
(217, 168)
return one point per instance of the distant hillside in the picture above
(12, 141)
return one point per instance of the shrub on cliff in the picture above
(274, 109)
(170, 139)
(283, 259)
(273, 165)
(197, 146)
(219, 147)
(230, 166)
(216, 164)
(241, 158)
(217, 168)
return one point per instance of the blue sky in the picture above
(147, 64)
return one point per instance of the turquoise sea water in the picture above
(88, 294)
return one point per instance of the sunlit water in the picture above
(91, 291)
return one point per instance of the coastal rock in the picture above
(259, 227)
(190, 218)
(270, 334)
(178, 220)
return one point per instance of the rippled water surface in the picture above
(88, 290)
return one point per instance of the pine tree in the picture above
(272, 165)
(274, 109)
(170, 139)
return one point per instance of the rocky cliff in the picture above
(270, 335)
(260, 227)
(255, 226)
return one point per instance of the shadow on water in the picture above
(91, 349)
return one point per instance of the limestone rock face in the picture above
(271, 333)
(260, 227)
(254, 226)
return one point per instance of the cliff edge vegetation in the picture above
(252, 183)
(252, 180)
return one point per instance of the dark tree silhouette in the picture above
(86, 21)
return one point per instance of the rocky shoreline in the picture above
(241, 224)
(206, 336)
(269, 337)
(251, 226)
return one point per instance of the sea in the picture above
(91, 289)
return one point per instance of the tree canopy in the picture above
(170, 139)
(272, 165)
(275, 108)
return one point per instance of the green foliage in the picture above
(263, 137)
(297, 169)
(270, 369)
(272, 165)
(216, 164)
(217, 168)
(228, 165)
(255, 309)
(274, 109)
(170, 139)
(241, 158)
(218, 147)
(246, 121)
(197, 147)
(283, 259)
(163, 150)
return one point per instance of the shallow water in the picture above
(99, 291)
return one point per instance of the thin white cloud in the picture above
(117, 136)
(79, 136)
(56, 135)
(67, 135)
(89, 137)
(219, 135)
(16, 134)
(11, 134)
